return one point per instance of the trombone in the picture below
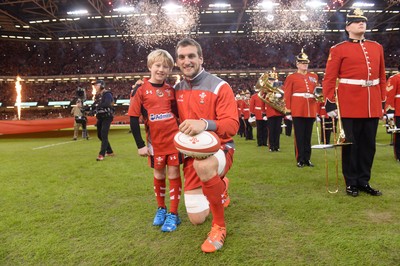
(339, 139)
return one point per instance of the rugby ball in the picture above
(199, 146)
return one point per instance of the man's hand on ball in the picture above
(192, 127)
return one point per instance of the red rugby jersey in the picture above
(210, 98)
(155, 104)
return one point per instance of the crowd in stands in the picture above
(119, 56)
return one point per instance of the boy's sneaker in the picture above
(110, 154)
(100, 158)
(171, 223)
(159, 219)
(215, 239)
(225, 198)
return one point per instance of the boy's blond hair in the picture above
(160, 55)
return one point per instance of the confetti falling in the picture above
(293, 22)
(152, 24)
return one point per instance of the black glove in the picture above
(329, 106)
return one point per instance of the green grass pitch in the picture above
(59, 206)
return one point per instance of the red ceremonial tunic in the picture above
(155, 104)
(257, 106)
(299, 97)
(245, 107)
(352, 61)
(271, 112)
(393, 93)
(321, 109)
(239, 107)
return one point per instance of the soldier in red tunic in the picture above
(393, 109)
(302, 106)
(358, 67)
(257, 109)
(246, 115)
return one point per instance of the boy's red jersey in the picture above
(156, 105)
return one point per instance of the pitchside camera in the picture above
(81, 94)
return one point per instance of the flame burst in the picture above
(18, 88)
(293, 22)
(152, 24)
(93, 92)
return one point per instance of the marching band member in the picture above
(393, 109)
(274, 121)
(301, 105)
(239, 102)
(359, 65)
(246, 115)
(257, 108)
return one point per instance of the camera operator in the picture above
(80, 120)
(104, 111)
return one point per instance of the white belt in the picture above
(303, 94)
(361, 82)
(397, 96)
(257, 108)
(246, 109)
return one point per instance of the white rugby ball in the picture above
(198, 146)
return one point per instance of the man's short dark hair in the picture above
(189, 42)
(101, 82)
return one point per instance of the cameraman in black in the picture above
(104, 111)
(80, 120)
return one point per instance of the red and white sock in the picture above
(159, 190)
(214, 189)
(175, 188)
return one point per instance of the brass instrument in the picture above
(270, 94)
(391, 126)
(339, 139)
(319, 97)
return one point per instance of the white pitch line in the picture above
(52, 145)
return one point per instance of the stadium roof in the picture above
(48, 20)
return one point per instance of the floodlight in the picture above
(363, 4)
(268, 4)
(124, 9)
(171, 7)
(220, 5)
(77, 12)
(315, 4)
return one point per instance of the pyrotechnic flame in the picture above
(93, 92)
(18, 88)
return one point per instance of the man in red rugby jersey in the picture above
(205, 102)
